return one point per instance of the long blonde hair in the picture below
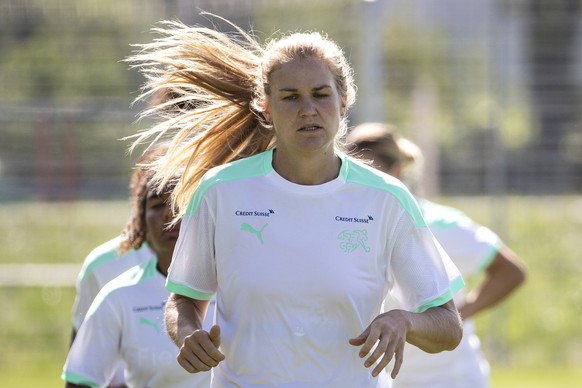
(215, 86)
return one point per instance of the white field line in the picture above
(44, 275)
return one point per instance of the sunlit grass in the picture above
(550, 377)
(35, 232)
(533, 340)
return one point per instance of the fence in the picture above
(492, 102)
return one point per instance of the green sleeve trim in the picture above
(456, 285)
(367, 176)
(106, 256)
(440, 216)
(96, 262)
(489, 257)
(181, 289)
(249, 167)
(134, 275)
(78, 380)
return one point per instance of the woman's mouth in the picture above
(310, 128)
(173, 232)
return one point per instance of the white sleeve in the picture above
(193, 270)
(87, 290)
(421, 273)
(471, 246)
(95, 353)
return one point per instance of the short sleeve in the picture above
(94, 355)
(422, 274)
(471, 246)
(193, 270)
(87, 289)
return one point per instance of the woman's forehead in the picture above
(307, 72)
(154, 192)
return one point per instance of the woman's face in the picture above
(157, 216)
(304, 106)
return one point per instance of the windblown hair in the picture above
(141, 183)
(225, 77)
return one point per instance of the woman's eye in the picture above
(290, 97)
(156, 205)
(320, 95)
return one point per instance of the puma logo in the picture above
(250, 229)
(147, 322)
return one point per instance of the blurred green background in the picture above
(490, 90)
(534, 338)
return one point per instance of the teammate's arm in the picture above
(505, 273)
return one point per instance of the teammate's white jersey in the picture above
(472, 247)
(299, 270)
(103, 264)
(126, 322)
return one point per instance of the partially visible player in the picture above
(119, 254)
(102, 265)
(125, 321)
(475, 250)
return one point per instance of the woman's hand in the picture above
(200, 353)
(387, 333)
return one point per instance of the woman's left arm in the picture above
(434, 330)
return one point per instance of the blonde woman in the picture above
(299, 242)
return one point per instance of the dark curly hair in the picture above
(134, 232)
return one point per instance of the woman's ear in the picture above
(264, 105)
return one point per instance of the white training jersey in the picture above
(472, 247)
(102, 265)
(126, 322)
(299, 270)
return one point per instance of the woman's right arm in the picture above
(198, 348)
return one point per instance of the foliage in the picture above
(62, 79)
(64, 53)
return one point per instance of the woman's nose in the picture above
(307, 108)
(168, 214)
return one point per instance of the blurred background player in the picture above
(125, 321)
(121, 253)
(106, 262)
(474, 248)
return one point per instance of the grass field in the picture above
(534, 340)
(44, 376)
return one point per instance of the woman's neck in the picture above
(163, 264)
(307, 170)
